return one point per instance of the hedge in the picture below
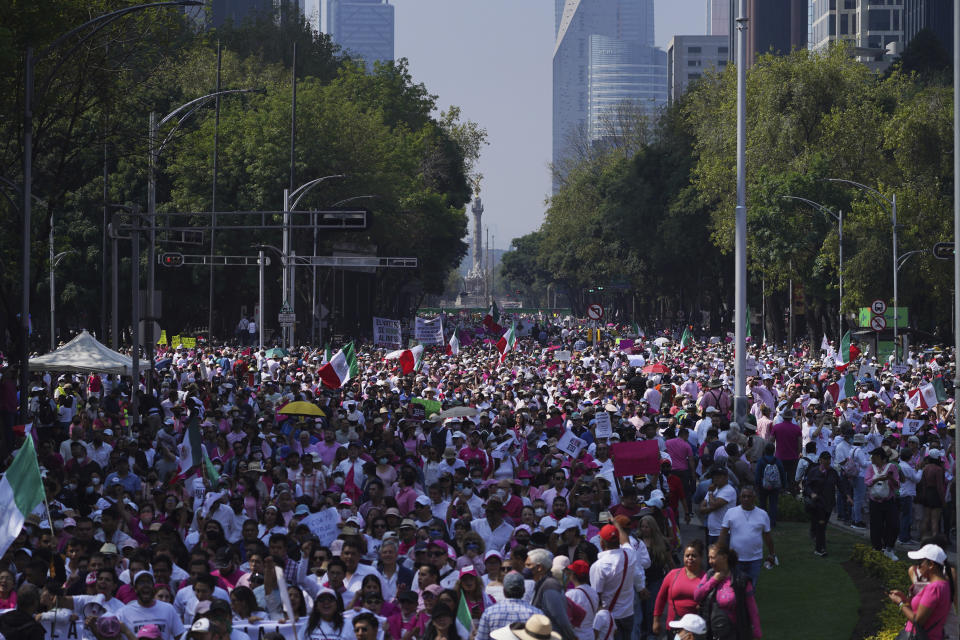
(790, 509)
(893, 575)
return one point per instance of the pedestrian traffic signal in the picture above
(943, 250)
(171, 259)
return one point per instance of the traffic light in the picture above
(943, 251)
(171, 259)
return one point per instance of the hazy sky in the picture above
(493, 59)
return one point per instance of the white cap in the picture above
(424, 500)
(567, 523)
(690, 622)
(202, 625)
(930, 552)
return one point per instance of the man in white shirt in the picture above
(745, 529)
(146, 609)
(720, 497)
(612, 576)
(495, 532)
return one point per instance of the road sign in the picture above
(287, 319)
(943, 251)
(595, 312)
(878, 307)
(878, 323)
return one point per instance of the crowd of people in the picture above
(446, 502)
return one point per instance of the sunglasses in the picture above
(437, 554)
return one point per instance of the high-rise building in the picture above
(689, 57)
(874, 28)
(603, 58)
(718, 17)
(774, 26)
(233, 11)
(362, 28)
(936, 15)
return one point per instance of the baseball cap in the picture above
(579, 567)
(930, 552)
(201, 625)
(690, 622)
(142, 574)
(149, 631)
(423, 500)
(609, 533)
(567, 523)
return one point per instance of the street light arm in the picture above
(279, 252)
(302, 190)
(193, 106)
(99, 23)
(870, 190)
(346, 200)
(816, 205)
(902, 260)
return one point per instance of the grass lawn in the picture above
(806, 596)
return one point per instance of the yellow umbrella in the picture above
(301, 408)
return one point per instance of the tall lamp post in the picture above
(956, 240)
(839, 218)
(54, 261)
(893, 213)
(187, 109)
(30, 61)
(290, 201)
(740, 260)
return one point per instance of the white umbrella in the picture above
(661, 341)
(458, 412)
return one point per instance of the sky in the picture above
(493, 59)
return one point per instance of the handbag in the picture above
(917, 634)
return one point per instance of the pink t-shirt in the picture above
(936, 597)
(680, 452)
(787, 436)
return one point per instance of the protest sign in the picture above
(562, 356)
(911, 426)
(571, 444)
(636, 361)
(429, 332)
(750, 368)
(624, 344)
(635, 458)
(900, 369)
(58, 625)
(163, 337)
(853, 416)
(386, 333)
(604, 428)
(323, 524)
(188, 343)
(429, 406)
(868, 371)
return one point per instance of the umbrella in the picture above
(661, 341)
(458, 412)
(656, 367)
(277, 352)
(301, 408)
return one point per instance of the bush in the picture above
(893, 575)
(790, 509)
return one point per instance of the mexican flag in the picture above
(21, 491)
(507, 342)
(923, 398)
(939, 388)
(847, 352)
(408, 359)
(464, 620)
(192, 452)
(686, 339)
(453, 347)
(327, 354)
(846, 387)
(637, 331)
(492, 320)
(341, 368)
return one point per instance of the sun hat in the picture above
(930, 552)
(690, 622)
(537, 627)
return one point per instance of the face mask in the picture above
(468, 492)
(89, 489)
(527, 573)
(338, 480)
(539, 512)
(525, 482)
(476, 481)
(384, 460)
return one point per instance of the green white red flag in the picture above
(507, 342)
(341, 369)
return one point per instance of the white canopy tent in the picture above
(84, 354)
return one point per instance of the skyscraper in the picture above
(870, 26)
(234, 11)
(604, 56)
(362, 28)
(936, 15)
(689, 57)
(718, 17)
(774, 26)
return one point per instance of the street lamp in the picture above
(283, 263)
(839, 218)
(893, 212)
(154, 152)
(29, 63)
(740, 260)
(54, 261)
(290, 201)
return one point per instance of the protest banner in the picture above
(61, 624)
(323, 524)
(163, 337)
(911, 426)
(571, 444)
(623, 344)
(853, 416)
(635, 458)
(562, 356)
(386, 333)
(188, 343)
(429, 406)
(868, 371)
(604, 428)
(429, 332)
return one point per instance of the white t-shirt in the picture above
(326, 631)
(715, 518)
(746, 531)
(161, 614)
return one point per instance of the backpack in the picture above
(850, 467)
(880, 490)
(46, 415)
(771, 477)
